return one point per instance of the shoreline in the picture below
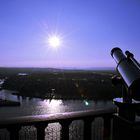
(8, 103)
(62, 98)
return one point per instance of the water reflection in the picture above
(53, 105)
(36, 106)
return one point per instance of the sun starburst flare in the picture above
(54, 41)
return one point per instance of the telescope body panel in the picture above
(128, 72)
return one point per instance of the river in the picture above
(36, 106)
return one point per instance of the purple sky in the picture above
(89, 28)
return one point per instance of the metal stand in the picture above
(125, 124)
(124, 129)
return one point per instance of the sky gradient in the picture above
(89, 30)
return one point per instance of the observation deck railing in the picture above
(40, 122)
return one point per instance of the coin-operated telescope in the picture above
(129, 77)
(129, 70)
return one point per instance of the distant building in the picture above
(22, 74)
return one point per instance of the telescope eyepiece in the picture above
(129, 54)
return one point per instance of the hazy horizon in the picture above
(65, 68)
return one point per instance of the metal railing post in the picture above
(14, 132)
(65, 129)
(107, 127)
(87, 128)
(41, 131)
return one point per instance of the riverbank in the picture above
(64, 84)
(8, 103)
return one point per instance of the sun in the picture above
(54, 41)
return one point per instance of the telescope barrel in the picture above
(128, 70)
